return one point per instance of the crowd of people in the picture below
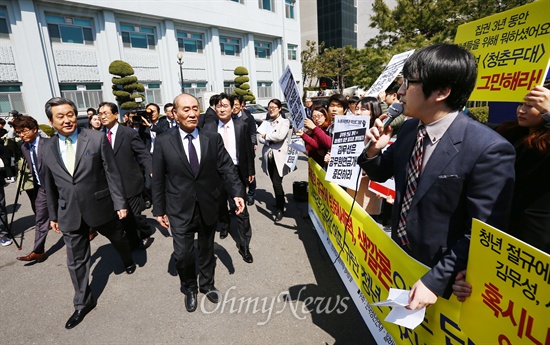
(197, 171)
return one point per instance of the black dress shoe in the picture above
(212, 294)
(250, 201)
(146, 242)
(130, 269)
(224, 231)
(279, 216)
(245, 253)
(191, 301)
(79, 315)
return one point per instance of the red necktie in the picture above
(109, 134)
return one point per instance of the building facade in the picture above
(65, 47)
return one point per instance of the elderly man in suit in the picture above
(188, 168)
(237, 142)
(84, 189)
(448, 168)
(26, 128)
(134, 160)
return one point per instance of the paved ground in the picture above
(291, 294)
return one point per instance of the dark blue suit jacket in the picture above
(469, 175)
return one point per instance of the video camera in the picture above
(14, 113)
(139, 116)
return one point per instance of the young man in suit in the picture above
(134, 160)
(240, 113)
(210, 113)
(26, 128)
(448, 168)
(236, 139)
(84, 190)
(188, 168)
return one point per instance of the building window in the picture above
(153, 94)
(292, 51)
(289, 8)
(196, 89)
(354, 27)
(70, 29)
(262, 50)
(11, 98)
(83, 95)
(265, 5)
(4, 28)
(264, 89)
(230, 46)
(239, 1)
(138, 36)
(190, 42)
(228, 87)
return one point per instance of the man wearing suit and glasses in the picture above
(189, 166)
(84, 189)
(448, 168)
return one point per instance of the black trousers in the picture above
(135, 223)
(184, 252)
(277, 181)
(243, 219)
(78, 256)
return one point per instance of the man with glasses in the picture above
(448, 168)
(26, 128)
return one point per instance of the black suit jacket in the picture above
(245, 151)
(95, 190)
(133, 160)
(209, 116)
(247, 118)
(470, 174)
(176, 190)
(39, 166)
(161, 126)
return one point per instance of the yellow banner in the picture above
(370, 263)
(512, 50)
(510, 290)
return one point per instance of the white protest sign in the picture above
(292, 156)
(348, 142)
(292, 96)
(389, 73)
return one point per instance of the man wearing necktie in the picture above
(448, 168)
(26, 128)
(134, 161)
(84, 189)
(189, 166)
(169, 115)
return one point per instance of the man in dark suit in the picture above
(237, 142)
(448, 168)
(188, 167)
(84, 190)
(133, 159)
(243, 114)
(27, 129)
(210, 114)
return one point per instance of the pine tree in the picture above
(125, 85)
(242, 86)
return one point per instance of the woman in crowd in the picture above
(274, 153)
(530, 211)
(94, 122)
(337, 105)
(369, 107)
(316, 139)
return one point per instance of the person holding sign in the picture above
(448, 168)
(317, 140)
(274, 153)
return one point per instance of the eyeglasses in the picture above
(273, 108)
(225, 106)
(23, 132)
(406, 82)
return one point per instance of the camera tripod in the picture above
(4, 218)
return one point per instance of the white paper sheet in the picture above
(399, 299)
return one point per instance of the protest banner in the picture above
(348, 141)
(512, 51)
(510, 290)
(389, 73)
(370, 263)
(292, 97)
